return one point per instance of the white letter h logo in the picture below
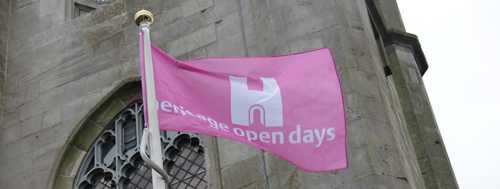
(244, 102)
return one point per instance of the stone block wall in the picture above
(4, 37)
(428, 144)
(61, 69)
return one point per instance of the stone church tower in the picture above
(71, 106)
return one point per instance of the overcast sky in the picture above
(461, 42)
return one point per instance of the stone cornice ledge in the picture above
(393, 36)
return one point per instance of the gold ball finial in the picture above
(143, 16)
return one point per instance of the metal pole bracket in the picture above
(156, 167)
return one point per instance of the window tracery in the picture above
(114, 160)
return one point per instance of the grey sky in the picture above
(461, 41)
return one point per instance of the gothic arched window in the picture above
(114, 160)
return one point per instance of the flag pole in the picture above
(144, 19)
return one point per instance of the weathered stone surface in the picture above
(355, 184)
(379, 181)
(198, 53)
(246, 13)
(31, 125)
(63, 182)
(289, 32)
(193, 6)
(51, 117)
(319, 21)
(232, 176)
(19, 181)
(350, 13)
(20, 147)
(170, 16)
(277, 4)
(392, 19)
(367, 107)
(432, 159)
(260, 184)
(296, 10)
(11, 134)
(228, 25)
(49, 136)
(352, 38)
(273, 181)
(85, 138)
(362, 82)
(250, 36)
(11, 168)
(306, 43)
(69, 164)
(227, 148)
(107, 12)
(212, 161)
(218, 11)
(231, 46)
(45, 157)
(14, 99)
(31, 92)
(355, 134)
(177, 30)
(77, 108)
(192, 41)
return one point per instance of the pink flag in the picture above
(290, 105)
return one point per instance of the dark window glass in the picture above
(114, 160)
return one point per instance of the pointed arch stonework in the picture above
(92, 125)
